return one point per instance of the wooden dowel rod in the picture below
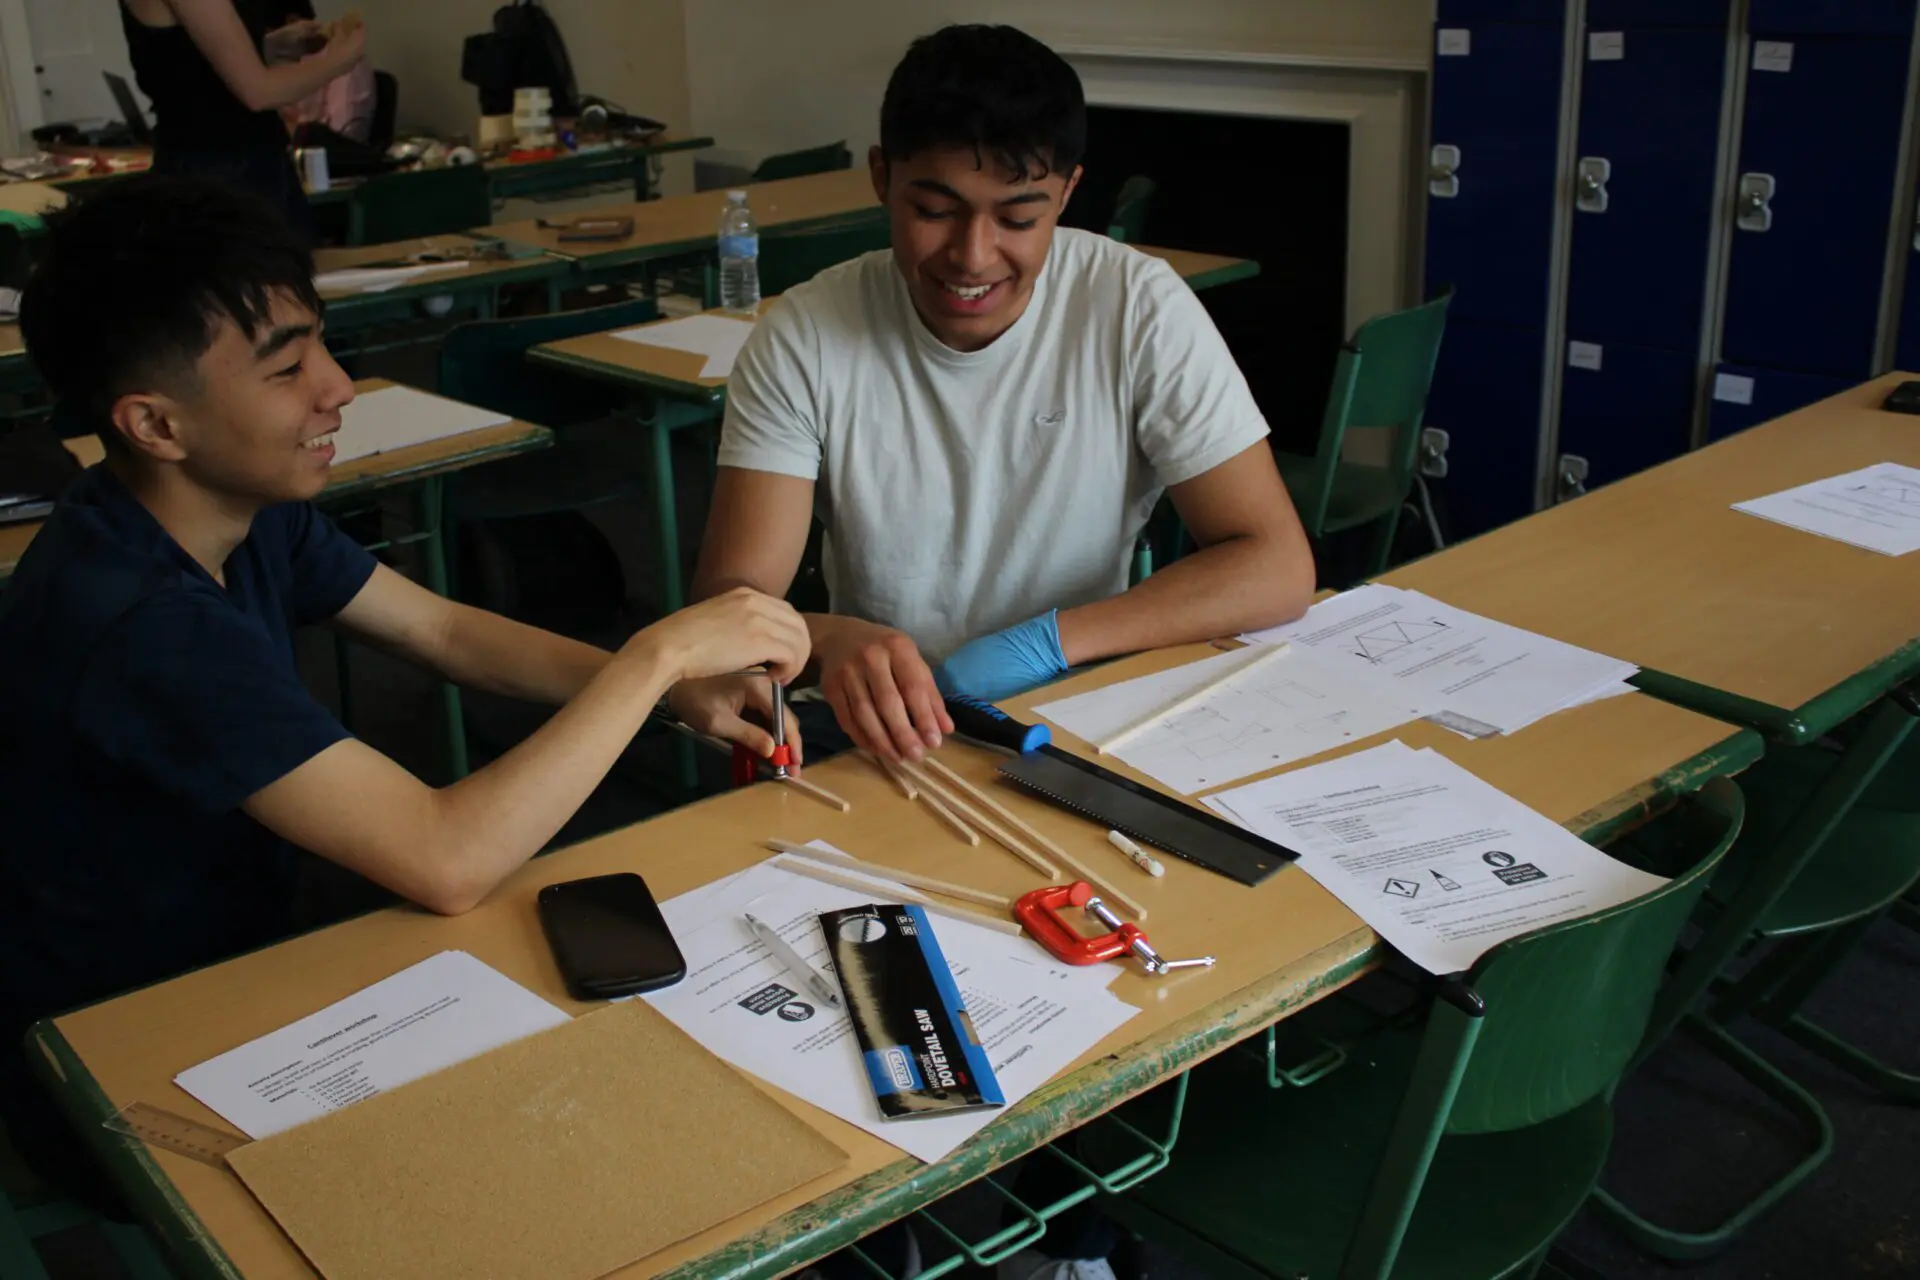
(860, 884)
(999, 901)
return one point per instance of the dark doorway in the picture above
(1251, 187)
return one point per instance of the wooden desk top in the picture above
(402, 253)
(678, 224)
(1658, 570)
(1203, 270)
(1281, 945)
(11, 343)
(375, 471)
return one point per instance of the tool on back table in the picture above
(1146, 814)
(989, 726)
(1040, 913)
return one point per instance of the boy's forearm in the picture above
(498, 655)
(1236, 585)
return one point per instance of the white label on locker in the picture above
(1734, 388)
(1455, 42)
(1584, 355)
(1773, 55)
(1606, 46)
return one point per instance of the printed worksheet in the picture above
(446, 1009)
(396, 417)
(1439, 863)
(1295, 706)
(1876, 507)
(718, 338)
(1472, 674)
(1033, 1015)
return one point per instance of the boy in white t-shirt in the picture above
(984, 417)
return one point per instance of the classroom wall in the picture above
(770, 75)
(630, 51)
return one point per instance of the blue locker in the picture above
(1832, 17)
(1638, 268)
(1804, 294)
(1613, 15)
(1486, 396)
(1746, 397)
(1499, 105)
(1906, 354)
(1465, 13)
(1633, 412)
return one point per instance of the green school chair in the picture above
(1129, 221)
(798, 164)
(1813, 913)
(26, 1220)
(1460, 1148)
(423, 202)
(794, 257)
(1379, 380)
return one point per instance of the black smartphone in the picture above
(1904, 398)
(609, 937)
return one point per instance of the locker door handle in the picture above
(1443, 171)
(1572, 480)
(1592, 176)
(1753, 210)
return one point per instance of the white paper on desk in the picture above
(446, 1009)
(1035, 1016)
(1295, 706)
(1480, 675)
(718, 338)
(395, 417)
(1876, 507)
(378, 279)
(1439, 863)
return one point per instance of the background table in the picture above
(1281, 945)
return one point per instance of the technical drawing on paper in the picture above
(1376, 644)
(1891, 489)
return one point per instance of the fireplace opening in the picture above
(1256, 187)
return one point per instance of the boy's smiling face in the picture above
(970, 237)
(255, 420)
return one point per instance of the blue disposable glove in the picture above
(1005, 663)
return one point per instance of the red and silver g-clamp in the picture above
(1039, 912)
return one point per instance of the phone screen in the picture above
(608, 936)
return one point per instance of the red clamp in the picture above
(1039, 913)
(746, 765)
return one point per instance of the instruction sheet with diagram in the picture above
(1439, 863)
(1876, 507)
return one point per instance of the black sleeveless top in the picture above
(193, 108)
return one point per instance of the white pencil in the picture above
(1135, 854)
(1267, 653)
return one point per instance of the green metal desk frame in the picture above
(908, 1186)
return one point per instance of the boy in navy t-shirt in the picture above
(159, 757)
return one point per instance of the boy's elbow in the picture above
(449, 895)
(1291, 582)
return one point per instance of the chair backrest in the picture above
(484, 363)
(386, 108)
(1129, 221)
(789, 258)
(425, 202)
(798, 164)
(1380, 379)
(1566, 1006)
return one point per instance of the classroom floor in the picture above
(1692, 1137)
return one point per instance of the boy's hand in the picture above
(880, 689)
(726, 634)
(714, 707)
(1005, 663)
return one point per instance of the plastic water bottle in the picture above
(739, 257)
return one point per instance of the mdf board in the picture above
(1823, 122)
(1496, 104)
(1650, 106)
(1743, 396)
(1486, 396)
(1625, 407)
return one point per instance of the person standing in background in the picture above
(217, 77)
(345, 103)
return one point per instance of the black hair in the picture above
(993, 88)
(130, 284)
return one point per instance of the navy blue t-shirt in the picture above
(140, 703)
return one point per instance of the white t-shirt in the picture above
(963, 492)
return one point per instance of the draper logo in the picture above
(899, 1070)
